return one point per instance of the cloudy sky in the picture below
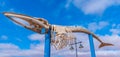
(99, 16)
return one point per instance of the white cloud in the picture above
(3, 37)
(102, 53)
(114, 39)
(107, 51)
(97, 26)
(10, 50)
(8, 46)
(115, 29)
(94, 6)
(36, 36)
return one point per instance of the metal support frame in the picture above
(92, 49)
(47, 47)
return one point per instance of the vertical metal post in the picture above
(47, 44)
(76, 47)
(92, 49)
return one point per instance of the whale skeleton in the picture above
(61, 36)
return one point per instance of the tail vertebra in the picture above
(105, 44)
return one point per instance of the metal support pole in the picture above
(92, 50)
(76, 47)
(47, 44)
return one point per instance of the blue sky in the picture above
(101, 17)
